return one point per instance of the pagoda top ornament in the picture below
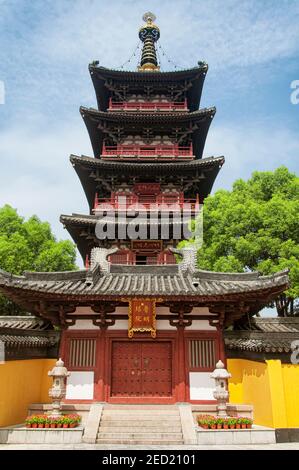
(149, 34)
(149, 17)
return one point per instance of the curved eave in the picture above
(100, 76)
(203, 171)
(201, 119)
(82, 229)
(164, 281)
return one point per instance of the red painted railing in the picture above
(147, 106)
(146, 203)
(129, 258)
(122, 257)
(157, 151)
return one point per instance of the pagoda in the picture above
(147, 136)
(141, 323)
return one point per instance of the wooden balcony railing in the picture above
(147, 151)
(147, 106)
(128, 257)
(153, 203)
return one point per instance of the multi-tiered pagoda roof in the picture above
(148, 136)
(182, 83)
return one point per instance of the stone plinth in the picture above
(256, 435)
(22, 435)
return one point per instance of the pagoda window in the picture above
(146, 258)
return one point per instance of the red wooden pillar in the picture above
(62, 348)
(181, 365)
(100, 387)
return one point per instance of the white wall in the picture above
(201, 386)
(83, 325)
(80, 385)
(201, 325)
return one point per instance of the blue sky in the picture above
(252, 49)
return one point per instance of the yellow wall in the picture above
(290, 374)
(271, 387)
(22, 383)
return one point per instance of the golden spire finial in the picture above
(149, 18)
(149, 34)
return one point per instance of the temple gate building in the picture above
(141, 323)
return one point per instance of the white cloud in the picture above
(252, 147)
(37, 177)
(46, 46)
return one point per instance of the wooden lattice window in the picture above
(82, 353)
(202, 354)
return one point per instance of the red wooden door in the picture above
(126, 369)
(141, 369)
(156, 369)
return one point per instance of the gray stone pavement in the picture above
(99, 447)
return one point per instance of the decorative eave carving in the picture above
(103, 309)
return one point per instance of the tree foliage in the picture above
(29, 245)
(255, 227)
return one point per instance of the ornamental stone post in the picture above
(58, 390)
(221, 394)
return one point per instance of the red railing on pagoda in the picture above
(122, 257)
(152, 203)
(147, 106)
(147, 151)
(128, 257)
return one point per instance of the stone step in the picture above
(139, 407)
(152, 418)
(140, 424)
(139, 435)
(143, 427)
(139, 421)
(141, 441)
(147, 412)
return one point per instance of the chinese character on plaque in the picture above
(142, 316)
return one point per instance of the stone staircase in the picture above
(140, 424)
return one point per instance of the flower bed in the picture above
(45, 421)
(212, 422)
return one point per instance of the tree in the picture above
(255, 227)
(29, 245)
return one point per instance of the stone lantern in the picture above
(58, 390)
(221, 393)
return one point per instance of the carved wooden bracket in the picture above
(42, 310)
(102, 321)
(56, 314)
(181, 309)
(227, 314)
(180, 322)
